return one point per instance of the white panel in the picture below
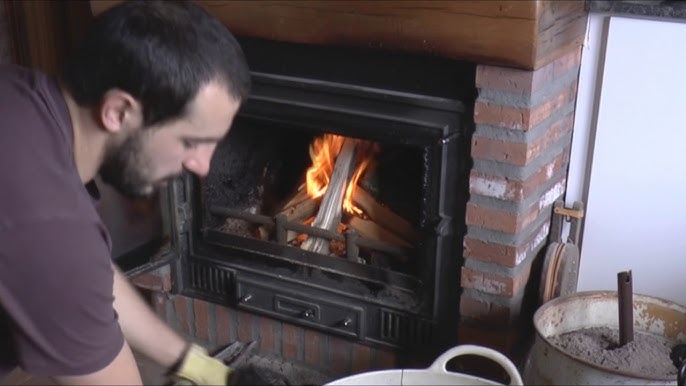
(589, 85)
(636, 206)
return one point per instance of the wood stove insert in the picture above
(232, 247)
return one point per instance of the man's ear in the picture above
(119, 111)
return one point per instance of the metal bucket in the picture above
(436, 374)
(549, 365)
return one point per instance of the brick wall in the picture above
(520, 147)
(5, 39)
(215, 326)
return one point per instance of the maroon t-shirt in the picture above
(56, 301)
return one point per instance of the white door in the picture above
(634, 181)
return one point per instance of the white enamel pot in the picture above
(436, 374)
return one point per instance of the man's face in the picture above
(149, 157)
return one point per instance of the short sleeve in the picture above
(56, 286)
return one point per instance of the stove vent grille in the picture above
(211, 280)
(405, 330)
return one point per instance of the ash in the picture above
(647, 355)
(276, 371)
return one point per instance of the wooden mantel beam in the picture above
(524, 34)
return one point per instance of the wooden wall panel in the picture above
(519, 33)
(43, 31)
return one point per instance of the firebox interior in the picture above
(258, 166)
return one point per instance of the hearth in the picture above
(234, 243)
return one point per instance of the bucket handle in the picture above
(467, 349)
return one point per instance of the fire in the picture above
(323, 153)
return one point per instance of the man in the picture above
(151, 90)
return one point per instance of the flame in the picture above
(323, 153)
(350, 190)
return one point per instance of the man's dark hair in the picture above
(160, 52)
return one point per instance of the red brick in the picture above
(512, 222)
(512, 80)
(290, 341)
(517, 153)
(495, 284)
(312, 348)
(223, 320)
(361, 360)
(339, 355)
(181, 310)
(245, 324)
(153, 281)
(543, 175)
(486, 312)
(487, 282)
(542, 77)
(267, 338)
(502, 188)
(545, 109)
(200, 311)
(523, 119)
(527, 218)
(514, 153)
(500, 339)
(507, 255)
(566, 62)
(385, 359)
(505, 79)
(556, 131)
(489, 252)
(513, 118)
(498, 220)
(513, 190)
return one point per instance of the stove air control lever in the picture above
(346, 322)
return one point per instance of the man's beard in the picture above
(126, 169)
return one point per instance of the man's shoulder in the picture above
(24, 89)
(37, 158)
(14, 77)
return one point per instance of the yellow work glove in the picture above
(198, 368)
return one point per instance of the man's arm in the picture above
(143, 329)
(147, 333)
(121, 371)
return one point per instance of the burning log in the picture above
(371, 230)
(297, 208)
(302, 210)
(330, 210)
(385, 217)
(298, 197)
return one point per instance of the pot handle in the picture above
(467, 349)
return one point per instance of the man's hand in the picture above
(199, 368)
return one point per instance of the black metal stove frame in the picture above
(336, 295)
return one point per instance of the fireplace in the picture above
(394, 291)
(483, 150)
(510, 143)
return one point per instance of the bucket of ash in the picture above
(581, 341)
